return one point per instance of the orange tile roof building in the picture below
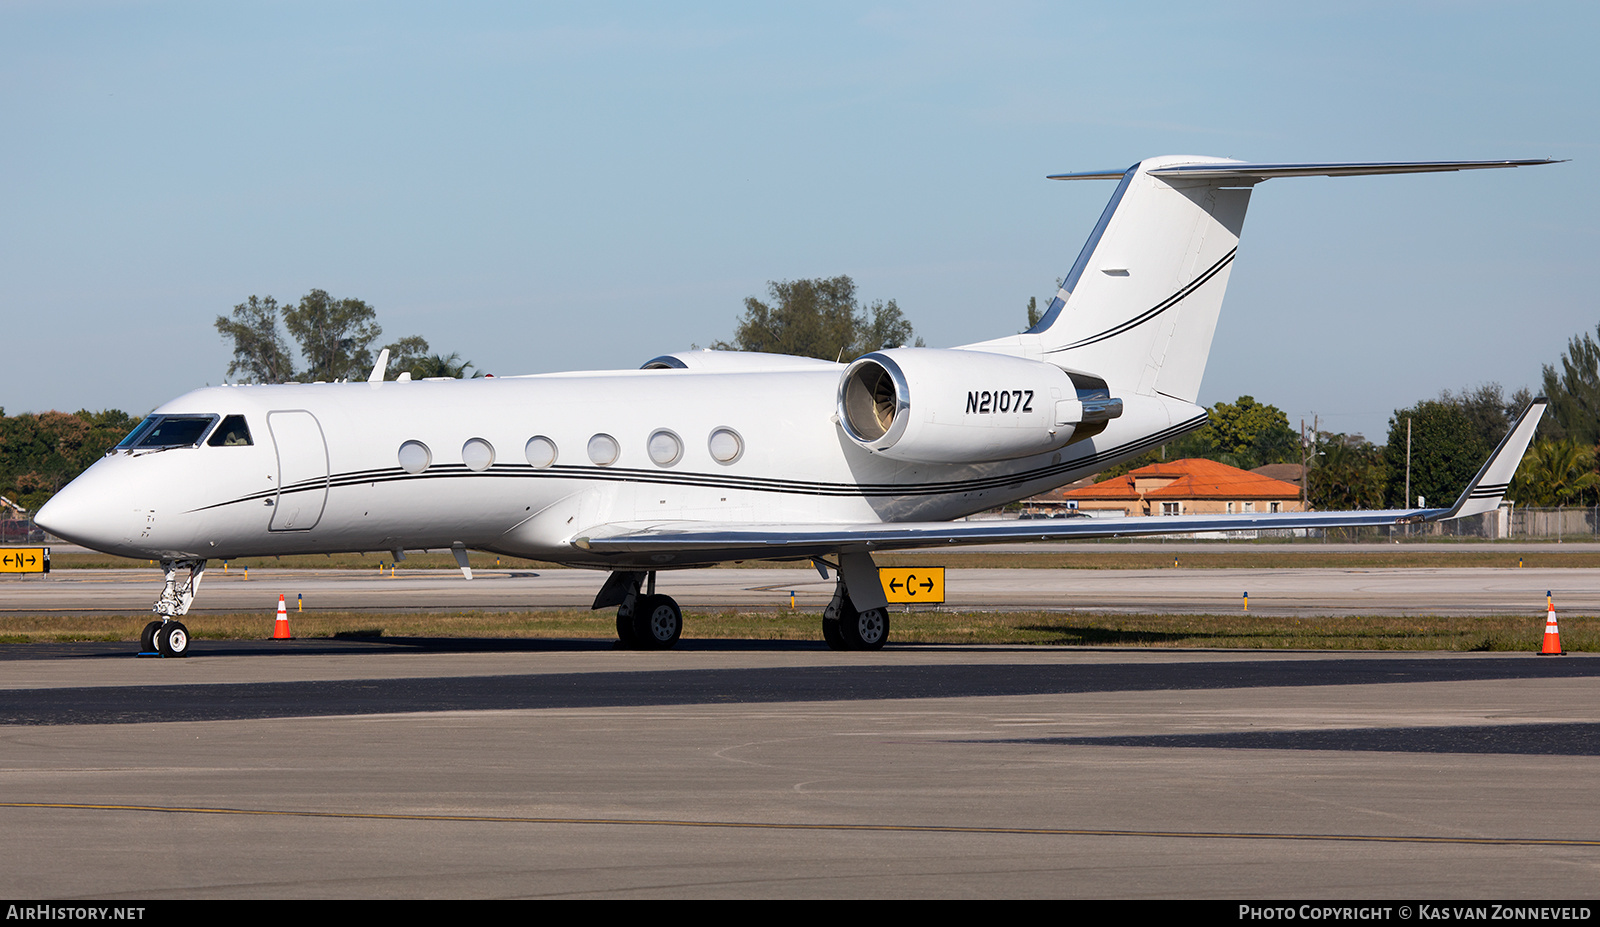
(1191, 486)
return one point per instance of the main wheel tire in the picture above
(832, 635)
(657, 622)
(846, 614)
(147, 637)
(869, 630)
(625, 635)
(172, 640)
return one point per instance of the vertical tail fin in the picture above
(1140, 304)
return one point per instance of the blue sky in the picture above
(558, 186)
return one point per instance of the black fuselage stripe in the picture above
(1156, 310)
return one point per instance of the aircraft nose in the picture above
(76, 514)
(63, 516)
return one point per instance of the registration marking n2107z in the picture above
(996, 401)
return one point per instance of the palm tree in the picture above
(436, 366)
(1556, 472)
(1346, 473)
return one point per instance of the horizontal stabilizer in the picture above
(1245, 172)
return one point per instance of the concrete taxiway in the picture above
(565, 768)
(568, 769)
(1453, 591)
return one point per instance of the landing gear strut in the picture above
(645, 621)
(168, 636)
(845, 624)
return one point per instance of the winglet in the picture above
(1486, 490)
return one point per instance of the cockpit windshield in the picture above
(137, 432)
(163, 431)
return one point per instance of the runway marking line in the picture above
(875, 828)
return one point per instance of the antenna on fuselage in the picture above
(379, 367)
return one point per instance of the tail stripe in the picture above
(1159, 308)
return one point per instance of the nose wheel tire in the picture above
(172, 639)
(147, 637)
(657, 622)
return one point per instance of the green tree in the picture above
(1556, 471)
(1248, 434)
(406, 354)
(1346, 472)
(1244, 434)
(1446, 452)
(335, 335)
(1489, 410)
(40, 453)
(818, 318)
(260, 352)
(435, 366)
(1574, 392)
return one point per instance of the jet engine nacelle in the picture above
(948, 406)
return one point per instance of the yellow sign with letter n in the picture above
(911, 585)
(25, 560)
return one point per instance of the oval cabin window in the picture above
(541, 451)
(477, 454)
(415, 457)
(603, 450)
(726, 445)
(665, 448)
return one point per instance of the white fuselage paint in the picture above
(323, 473)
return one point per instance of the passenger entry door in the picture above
(302, 470)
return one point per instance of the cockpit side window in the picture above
(174, 431)
(233, 432)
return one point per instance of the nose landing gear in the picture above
(168, 636)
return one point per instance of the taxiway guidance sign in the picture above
(24, 560)
(913, 584)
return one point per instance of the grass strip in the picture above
(1503, 633)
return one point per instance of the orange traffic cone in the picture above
(280, 629)
(1552, 634)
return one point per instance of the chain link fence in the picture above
(1565, 523)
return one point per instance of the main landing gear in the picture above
(168, 636)
(645, 621)
(856, 619)
(846, 625)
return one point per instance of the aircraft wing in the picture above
(709, 541)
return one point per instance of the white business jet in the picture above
(703, 456)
